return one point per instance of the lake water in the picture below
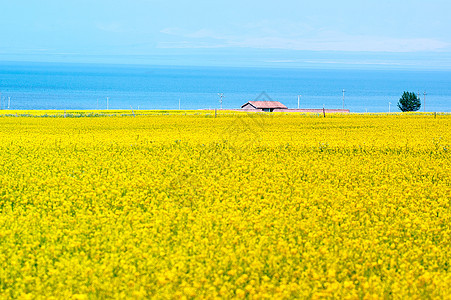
(79, 86)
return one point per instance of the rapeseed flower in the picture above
(174, 206)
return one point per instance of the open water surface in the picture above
(83, 86)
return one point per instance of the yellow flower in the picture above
(169, 205)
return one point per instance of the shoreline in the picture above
(206, 112)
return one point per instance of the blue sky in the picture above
(364, 34)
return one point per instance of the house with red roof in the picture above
(263, 106)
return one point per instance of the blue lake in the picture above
(83, 86)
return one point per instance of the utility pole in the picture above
(299, 99)
(424, 101)
(344, 98)
(107, 104)
(221, 95)
(9, 102)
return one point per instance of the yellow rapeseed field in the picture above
(258, 206)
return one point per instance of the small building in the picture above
(263, 106)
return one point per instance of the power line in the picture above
(221, 95)
(344, 98)
(424, 101)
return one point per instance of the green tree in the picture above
(409, 102)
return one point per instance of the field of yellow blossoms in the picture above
(258, 206)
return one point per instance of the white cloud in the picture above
(305, 38)
(113, 27)
(188, 45)
(350, 43)
(172, 31)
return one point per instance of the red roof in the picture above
(265, 104)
